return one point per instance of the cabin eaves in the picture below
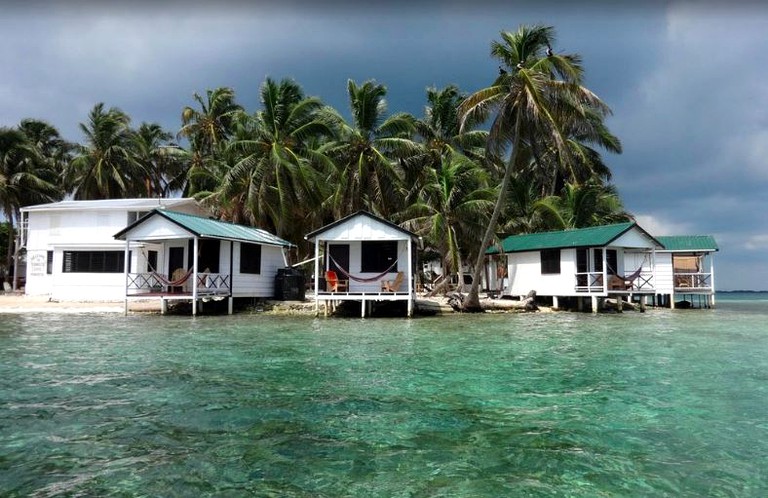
(111, 204)
(213, 229)
(580, 237)
(688, 243)
(310, 236)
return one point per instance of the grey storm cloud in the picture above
(685, 81)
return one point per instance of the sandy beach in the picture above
(19, 303)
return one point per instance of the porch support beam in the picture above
(126, 262)
(711, 296)
(194, 275)
(410, 278)
(317, 277)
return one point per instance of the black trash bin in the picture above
(289, 284)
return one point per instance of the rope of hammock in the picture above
(172, 283)
(362, 279)
(633, 276)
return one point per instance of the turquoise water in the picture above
(665, 403)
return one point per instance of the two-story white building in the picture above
(166, 249)
(71, 251)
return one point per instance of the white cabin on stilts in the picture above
(685, 270)
(192, 258)
(363, 258)
(583, 267)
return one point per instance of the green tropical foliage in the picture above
(104, 167)
(536, 100)
(276, 177)
(521, 155)
(31, 158)
(367, 154)
(581, 206)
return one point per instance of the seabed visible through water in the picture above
(664, 403)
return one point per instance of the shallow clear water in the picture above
(665, 403)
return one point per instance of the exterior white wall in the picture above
(355, 265)
(634, 238)
(664, 279)
(252, 285)
(362, 228)
(157, 228)
(92, 229)
(60, 231)
(524, 270)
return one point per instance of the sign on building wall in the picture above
(37, 262)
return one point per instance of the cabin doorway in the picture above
(338, 260)
(175, 259)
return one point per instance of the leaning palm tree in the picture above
(368, 174)
(104, 166)
(532, 98)
(452, 209)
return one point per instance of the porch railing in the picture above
(692, 281)
(589, 282)
(151, 283)
(594, 282)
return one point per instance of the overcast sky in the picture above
(686, 82)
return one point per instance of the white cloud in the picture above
(757, 242)
(657, 225)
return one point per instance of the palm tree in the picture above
(104, 167)
(452, 208)
(586, 163)
(532, 98)
(162, 161)
(439, 138)
(368, 175)
(580, 206)
(48, 147)
(26, 175)
(275, 177)
(208, 130)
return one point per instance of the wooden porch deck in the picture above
(365, 298)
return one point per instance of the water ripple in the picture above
(659, 404)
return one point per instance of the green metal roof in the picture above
(577, 237)
(214, 229)
(688, 242)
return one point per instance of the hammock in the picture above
(172, 283)
(362, 279)
(633, 276)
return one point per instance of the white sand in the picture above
(19, 303)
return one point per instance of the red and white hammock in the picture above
(172, 283)
(362, 279)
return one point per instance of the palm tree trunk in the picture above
(472, 303)
(11, 245)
